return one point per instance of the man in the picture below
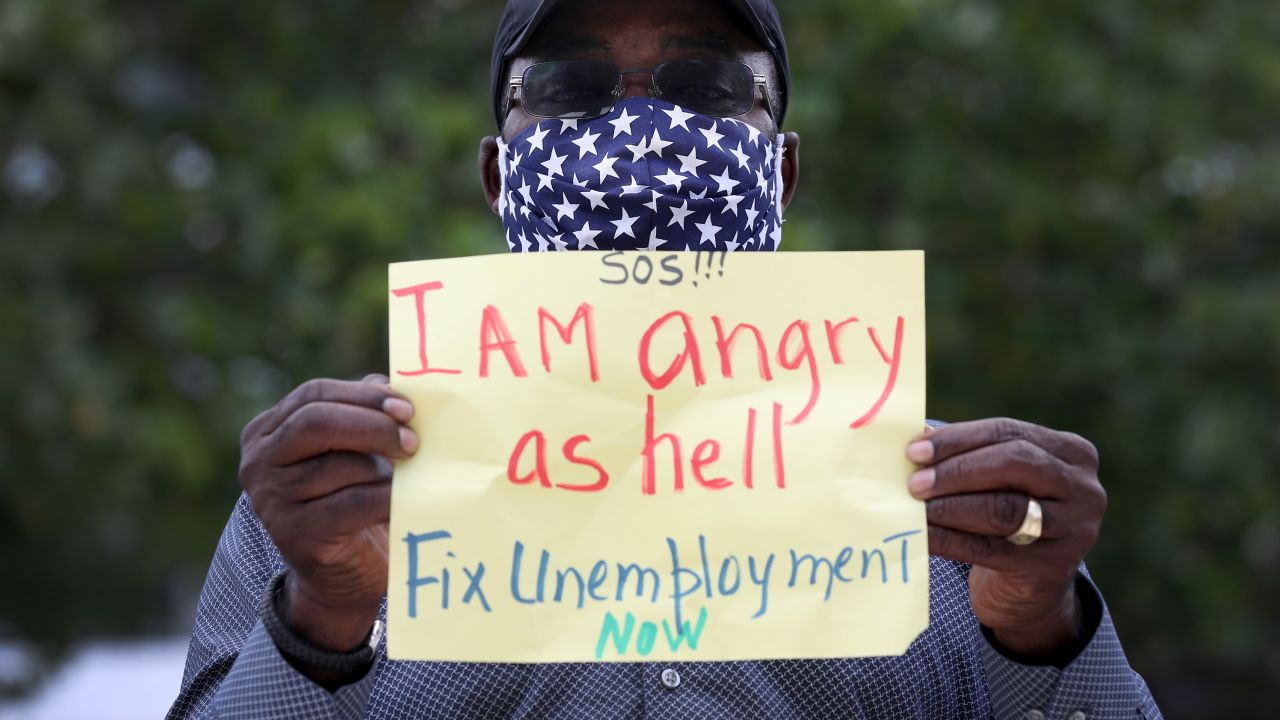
(608, 111)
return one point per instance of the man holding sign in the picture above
(707, 478)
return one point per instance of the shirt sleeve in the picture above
(233, 669)
(1097, 685)
(262, 684)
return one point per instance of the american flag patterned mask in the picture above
(646, 176)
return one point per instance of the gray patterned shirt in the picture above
(951, 671)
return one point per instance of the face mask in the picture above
(646, 176)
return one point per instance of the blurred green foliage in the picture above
(199, 200)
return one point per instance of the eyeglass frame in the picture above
(516, 82)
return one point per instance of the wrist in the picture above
(1051, 637)
(329, 626)
(316, 639)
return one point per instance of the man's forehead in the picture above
(580, 42)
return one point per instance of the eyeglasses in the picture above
(571, 89)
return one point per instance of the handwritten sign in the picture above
(646, 456)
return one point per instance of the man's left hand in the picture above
(976, 479)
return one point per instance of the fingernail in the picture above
(920, 451)
(401, 410)
(408, 441)
(921, 481)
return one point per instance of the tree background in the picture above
(198, 201)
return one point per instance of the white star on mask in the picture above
(679, 117)
(724, 182)
(596, 198)
(708, 230)
(632, 187)
(564, 207)
(689, 163)
(678, 214)
(623, 225)
(622, 124)
(638, 150)
(671, 177)
(586, 236)
(654, 240)
(657, 144)
(605, 167)
(586, 143)
(555, 164)
(535, 140)
(713, 137)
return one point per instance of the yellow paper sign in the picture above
(647, 456)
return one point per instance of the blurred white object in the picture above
(105, 680)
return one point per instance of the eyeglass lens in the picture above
(589, 88)
(569, 88)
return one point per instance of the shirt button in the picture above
(1077, 715)
(1034, 714)
(671, 678)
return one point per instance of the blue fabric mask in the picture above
(647, 176)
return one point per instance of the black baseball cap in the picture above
(522, 17)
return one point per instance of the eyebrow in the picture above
(708, 41)
(563, 45)
(572, 44)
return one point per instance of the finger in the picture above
(980, 550)
(940, 443)
(1016, 465)
(321, 427)
(333, 471)
(312, 390)
(253, 428)
(999, 514)
(324, 390)
(352, 508)
(396, 405)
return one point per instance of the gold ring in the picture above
(1032, 524)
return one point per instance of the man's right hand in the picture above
(317, 468)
